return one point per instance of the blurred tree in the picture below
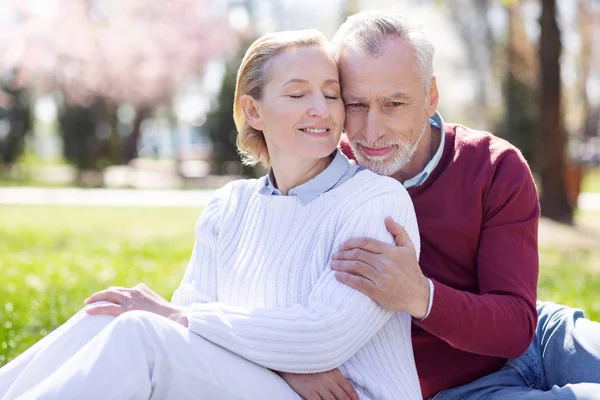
(472, 21)
(519, 125)
(15, 117)
(113, 52)
(551, 144)
(221, 128)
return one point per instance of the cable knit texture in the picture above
(259, 283)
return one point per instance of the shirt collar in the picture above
(321, 183)
(418, 179)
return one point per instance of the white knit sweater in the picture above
(259, 283)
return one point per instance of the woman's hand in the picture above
(139, 297)
(330, 385)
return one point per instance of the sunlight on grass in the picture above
(52, 258)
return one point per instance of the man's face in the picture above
(387, 106)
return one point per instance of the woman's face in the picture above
(301, 109)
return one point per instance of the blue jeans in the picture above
(563, 362)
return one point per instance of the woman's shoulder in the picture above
(240, 186)
(237, 191)
(367, 185)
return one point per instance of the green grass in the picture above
(52, 258)
(591, 181)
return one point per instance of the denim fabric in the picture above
(563, 362)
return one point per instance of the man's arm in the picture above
(500, 319)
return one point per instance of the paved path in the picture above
(148, 198)
(105, 197)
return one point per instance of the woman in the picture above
(258, 295)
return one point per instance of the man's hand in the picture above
(388, 274)
(330, 385)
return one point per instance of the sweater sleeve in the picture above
(334, 324)
(501, 319)
(199, 283)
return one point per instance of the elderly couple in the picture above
(307, 283)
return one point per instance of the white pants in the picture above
(138, 355)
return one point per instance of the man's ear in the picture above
(250, 108)
(433, 97)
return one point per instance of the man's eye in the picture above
(396, 104)
(354, 105)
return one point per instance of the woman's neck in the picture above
(291, 172)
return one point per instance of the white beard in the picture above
(380, 165)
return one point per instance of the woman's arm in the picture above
(337, 320)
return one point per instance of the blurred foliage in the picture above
(78, 130)
(520, 122)
(220, 126)
(15, 119)
(104, 54)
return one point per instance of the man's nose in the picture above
(320, 108)
(374, 127)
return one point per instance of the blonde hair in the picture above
(252, 77)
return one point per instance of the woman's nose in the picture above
(319, 108)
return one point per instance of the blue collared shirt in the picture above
(337, 172)
(341, 169)
(417, 180)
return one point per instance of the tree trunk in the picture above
(131, 142)
(552, 137)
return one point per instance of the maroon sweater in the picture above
(478, 215)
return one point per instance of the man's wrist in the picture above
(424, 300)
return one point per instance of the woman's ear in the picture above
(250, 108)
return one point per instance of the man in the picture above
(472, 295)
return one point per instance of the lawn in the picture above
(51, 258)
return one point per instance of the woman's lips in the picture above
(319, 132)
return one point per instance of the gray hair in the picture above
(368, 31)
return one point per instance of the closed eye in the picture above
(296, 96)
(355, 105)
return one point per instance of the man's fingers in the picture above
(359, 255)
(357, 282)
(111, 295)
(354, 267)
(106, 309)
(366, 244)
(401, 238)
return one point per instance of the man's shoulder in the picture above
(474, 144)
(346, 149)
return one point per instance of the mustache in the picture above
(379, 143)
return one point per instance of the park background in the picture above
(115, 127)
